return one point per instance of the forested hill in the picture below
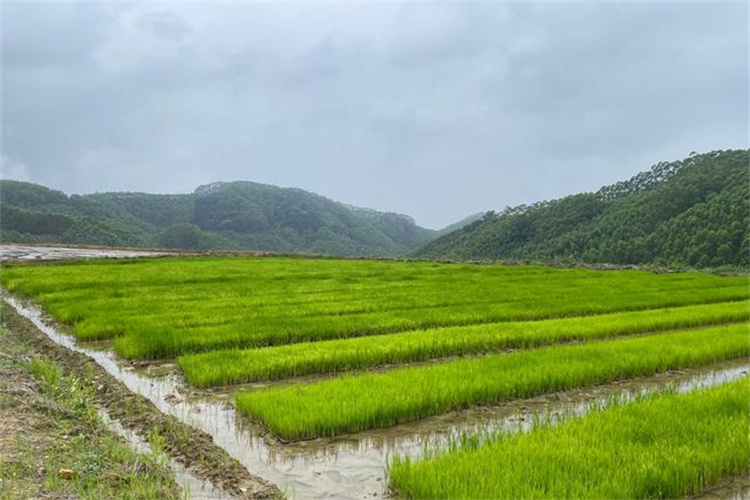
(693, 212)
(236, 215)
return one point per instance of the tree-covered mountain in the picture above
(693, 212)
(234, 215)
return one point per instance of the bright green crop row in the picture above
(235, 366)
(162, 308)
(148, 339)
(665, 446)
(353, 403)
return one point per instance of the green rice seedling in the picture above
(163, 308)
(357, 402)
(664, 446)
(235, 366)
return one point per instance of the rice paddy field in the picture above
(666, 446)
(341, 347)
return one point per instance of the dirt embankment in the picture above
(187, 445)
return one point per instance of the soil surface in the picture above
(53, 445)
(194, 449)
(37, 253)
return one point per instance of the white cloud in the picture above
(13, 168)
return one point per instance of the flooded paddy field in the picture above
(237, 303)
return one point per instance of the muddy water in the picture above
(733, 488)
(192, 487)
(25, 252)
(352, 466)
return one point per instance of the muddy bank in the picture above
(192, 487)
(732, 488)
(194, 449)
(26, 253)
(54, 447)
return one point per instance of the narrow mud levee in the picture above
(192, 487)
(192, 448)
(732, 488)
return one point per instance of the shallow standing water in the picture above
(192, 487)
(30, 252)
(351, 466)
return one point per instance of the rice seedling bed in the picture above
(354, 403)
(161, 308)
(234, 366)
(237, 319)
(666, 446)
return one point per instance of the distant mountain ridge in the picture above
(221, 215)
(694, 212)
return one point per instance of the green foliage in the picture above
(161, 308)
(236, 366)
(34, 223)
(27, 195)
(693, 212)
(237, 215)
(189, 237)
(666, 446)
(358, 402)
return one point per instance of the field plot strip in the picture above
(205, 304)
(665, 446)
(354, 403)
(236, 366)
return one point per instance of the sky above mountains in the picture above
(436, 110)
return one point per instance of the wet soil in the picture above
(192, 448)
(192, 487)
(39, 253)
(732, 488)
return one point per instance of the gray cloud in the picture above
(436, 110)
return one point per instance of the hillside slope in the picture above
(692, 212)
(235, 215)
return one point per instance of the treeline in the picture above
(236, 215)
(689, 213)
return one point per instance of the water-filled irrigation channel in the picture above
(193, 488)
(352, 466)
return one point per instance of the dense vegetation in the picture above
(217, 303)
(234, 366)
(237, 215)
(666, 446)
(241, 319)
(694, 212)
(353, 403)
(230, 319)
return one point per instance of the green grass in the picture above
(358, 402)
(666, 446)
(53, 423)
(274, 363)
(162, 308)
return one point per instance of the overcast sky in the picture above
(437, 110)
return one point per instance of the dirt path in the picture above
(192, 448)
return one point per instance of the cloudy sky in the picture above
(437, 110)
